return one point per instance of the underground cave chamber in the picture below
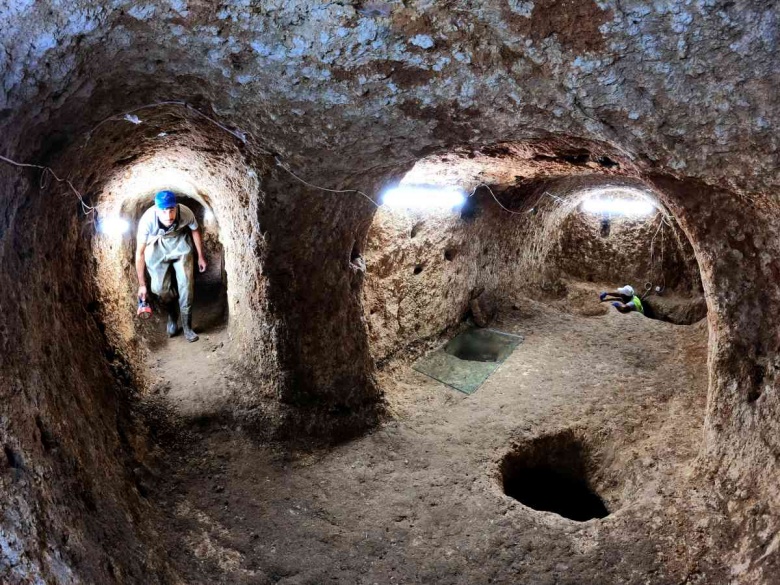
(438, 263)
(435, 269)
(327, 457)
(428, 270)
(464, 266)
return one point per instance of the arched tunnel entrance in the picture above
(300, 441)
(187, 378)
(200, 163)
(527, 260)
(626, 236)
(210, 308)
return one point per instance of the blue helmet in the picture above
(165, 199)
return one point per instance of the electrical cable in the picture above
(663, 271)
(281, 164)
(125, 116)
(661, 228)
(236, 133)
(240, 135)
(87, 209)
(496, 199)
(130, 117)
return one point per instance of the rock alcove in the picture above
(296, 443)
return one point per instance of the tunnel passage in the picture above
(280, 294)
(619, 236)
(202, 164)
(553, 474)
(524, 229)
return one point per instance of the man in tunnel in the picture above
(163, 244)
(628, 302)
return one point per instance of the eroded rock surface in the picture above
(538, 100)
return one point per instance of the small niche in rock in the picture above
(576, 157)
(47, 439)
(416, 229)
(13, 459)
(449, 255)
(418, 269)
(605, 227)
(552, 474)
(607, 162)
(759, 373)
(355, 258)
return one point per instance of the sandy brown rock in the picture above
(483, 309)
(327, 295)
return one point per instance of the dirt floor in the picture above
(190, 377)
(420, 499)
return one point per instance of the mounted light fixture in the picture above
(618, 202)
(423, 197)
(113, 226)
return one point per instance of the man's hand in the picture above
(196, 239)
(142, 292)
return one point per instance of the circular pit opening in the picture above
(553, 474)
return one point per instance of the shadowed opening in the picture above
(552, 475)
(475, 348)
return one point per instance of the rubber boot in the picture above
(186, 323)
(173, 318)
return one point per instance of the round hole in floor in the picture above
(552, 474)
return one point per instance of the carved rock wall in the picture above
(680, 94)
